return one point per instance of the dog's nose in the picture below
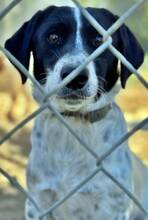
(78, 82)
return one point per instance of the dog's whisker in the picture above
(101, 90)
(55, 53)
(102, 79)
(42, 81)
(41, 74)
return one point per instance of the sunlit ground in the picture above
(16, 104)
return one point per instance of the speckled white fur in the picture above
(57, 161)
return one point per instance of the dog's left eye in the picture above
(97, 41)
(54, 39)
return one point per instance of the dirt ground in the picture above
(16, 104)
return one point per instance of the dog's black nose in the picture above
(78, 82)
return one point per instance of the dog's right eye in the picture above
(97, 41)
(54, 39)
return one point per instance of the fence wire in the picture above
(107, 44)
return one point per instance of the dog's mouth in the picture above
(71, 95)
(74, 101)
(79, 107)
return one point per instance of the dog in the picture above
(61, 39)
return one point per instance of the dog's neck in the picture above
(92, 116)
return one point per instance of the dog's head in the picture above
(61, 39)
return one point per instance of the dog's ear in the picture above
(20, 43)
(132, 51)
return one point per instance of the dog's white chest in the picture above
(58, 163)
(63, 161)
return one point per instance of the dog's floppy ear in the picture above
(132, 51)
(20, 43)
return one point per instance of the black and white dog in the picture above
(60, 39)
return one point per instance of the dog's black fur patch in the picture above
(33, 36)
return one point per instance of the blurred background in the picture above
(16, 101)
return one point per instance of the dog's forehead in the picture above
(71, 15)
(62, 14)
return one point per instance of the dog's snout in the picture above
(78, 82)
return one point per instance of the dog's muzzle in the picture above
(80, 92)
(78, 82)
(77, 88)
(77, 94)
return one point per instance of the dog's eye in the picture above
(54, 39)
(97, 41)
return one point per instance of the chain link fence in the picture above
(107, 44)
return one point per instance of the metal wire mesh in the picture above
(107, 44)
